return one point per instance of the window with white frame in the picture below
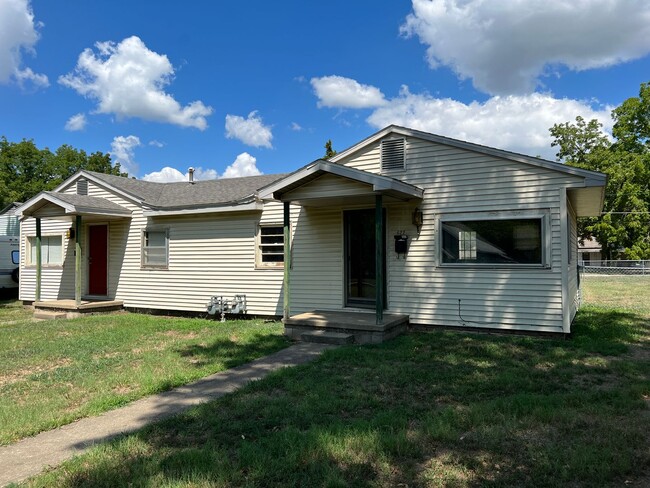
(51, 250)
(270, 246)
(467, 244)
(504, 241)
(155, 248)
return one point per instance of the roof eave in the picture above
(230, 207)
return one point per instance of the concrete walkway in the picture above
(31, 455)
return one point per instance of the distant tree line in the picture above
(26, 170)
(623, 229)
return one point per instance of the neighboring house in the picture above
(9, 244)
(589, 250)
(448, 232)
(9, 224)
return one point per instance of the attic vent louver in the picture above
(82, 186)
(392, 154)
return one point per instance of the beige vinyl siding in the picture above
(57, 282)
(329, 186)
(208, 255)
(317, 272)
(457, 181)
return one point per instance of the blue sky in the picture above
(237, 88)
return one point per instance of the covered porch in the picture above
(90, 268)
(362, 196)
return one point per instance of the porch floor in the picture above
(86, 306)
(361, 326)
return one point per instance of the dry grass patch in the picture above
(54, 372)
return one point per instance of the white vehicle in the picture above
(9, 261)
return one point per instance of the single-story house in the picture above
(589, 250)
(404, 223)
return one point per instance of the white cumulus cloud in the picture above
(128, 79)
(165, 175)
(123, 152)
(76, 122)
(201, 174)
(18, 34)
(505, 46)
(170, 175)
(519, 123)
(338, 91)
(251, 130)
(244, 165)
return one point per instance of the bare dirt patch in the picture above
(180, 335)
(21, 374)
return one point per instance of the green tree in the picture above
(26, 170)
(329, 152)
(624, 227)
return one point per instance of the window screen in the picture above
(154, 248)
(51, 250)
(270, 245)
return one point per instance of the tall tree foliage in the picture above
(329, 151)
(624, 228)
(25, 170)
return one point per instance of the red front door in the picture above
(98, 260)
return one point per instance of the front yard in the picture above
(430, 409)
(54, 372)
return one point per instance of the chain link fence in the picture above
(615, 267)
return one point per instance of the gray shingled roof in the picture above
(190, 195)
(86, 202)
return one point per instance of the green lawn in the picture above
(632, 292)
(12, 311)
(54, 372)
(427, 409)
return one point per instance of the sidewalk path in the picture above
(30, 456)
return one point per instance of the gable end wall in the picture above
(457, 181)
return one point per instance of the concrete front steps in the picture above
(49, 315)
(325, 337)
(69, 309)
(344, 327)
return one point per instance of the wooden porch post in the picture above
(379, 259)
(287, 260)
(39, 263)
(77, 261)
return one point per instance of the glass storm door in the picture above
(360, 270)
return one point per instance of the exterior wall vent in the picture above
(393, 152)
(82, 186)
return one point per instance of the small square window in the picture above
(155, 248)
(270, 246)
